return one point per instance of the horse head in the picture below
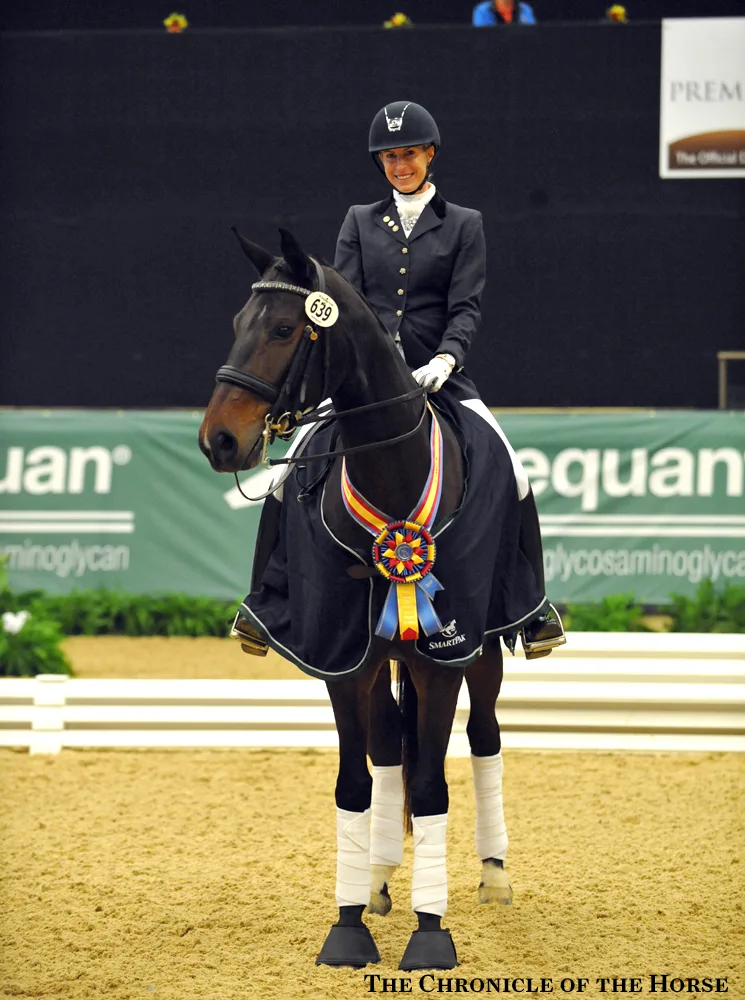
(274, 370)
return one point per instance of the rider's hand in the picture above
(434, 375)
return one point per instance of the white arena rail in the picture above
(612, 691)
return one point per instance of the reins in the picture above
(300, 457)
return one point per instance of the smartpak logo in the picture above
(450, 631)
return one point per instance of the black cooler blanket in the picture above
(312, 612)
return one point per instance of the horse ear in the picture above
(259, 257)
(295, 257)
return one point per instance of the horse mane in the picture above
(282, 266)
(360, 295)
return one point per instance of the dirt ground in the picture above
(174, 657)
(210, 875)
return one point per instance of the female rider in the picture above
(420, 262)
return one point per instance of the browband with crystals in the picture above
(279, 286)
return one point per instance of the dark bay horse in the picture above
(283, 364)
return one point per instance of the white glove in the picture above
(434, 375)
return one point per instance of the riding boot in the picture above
(542, 634)
(266, 542)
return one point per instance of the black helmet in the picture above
(402, 124)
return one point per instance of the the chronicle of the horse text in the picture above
(651, 983)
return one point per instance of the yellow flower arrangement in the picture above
(175, 24)
(617, 13)
(399, 20)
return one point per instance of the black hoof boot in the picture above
(429, 947)
(349, 942)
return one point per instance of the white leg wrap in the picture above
(387, 823)
(429, 883)
(491, 831)
(352, 858)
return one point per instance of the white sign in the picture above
(702, 98)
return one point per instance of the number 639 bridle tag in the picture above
(321, 309)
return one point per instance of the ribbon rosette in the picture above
(404, 552)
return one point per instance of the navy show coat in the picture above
(427, 287)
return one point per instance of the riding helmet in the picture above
(402, 123)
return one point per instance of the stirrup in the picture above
(251, 641)
(542, 647)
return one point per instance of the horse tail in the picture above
(408, 704)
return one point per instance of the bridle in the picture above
(289, 401)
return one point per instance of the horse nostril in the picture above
(224, 444)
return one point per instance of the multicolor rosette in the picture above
(404, 552)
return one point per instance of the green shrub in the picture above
(111, 612)
(617, 613)
(711, 610)
(30, 646)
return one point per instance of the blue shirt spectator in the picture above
(489, 13)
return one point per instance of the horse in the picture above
(303, 336)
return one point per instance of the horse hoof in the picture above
(495, 885)
(429, 950)
(380, 902)
(348, 946)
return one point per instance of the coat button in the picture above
(392, 223)
(400, 291)
(399, 312)
(395, 229)
(386, 218)
(402, 270)
(404, 249)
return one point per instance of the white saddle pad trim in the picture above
(521, 476)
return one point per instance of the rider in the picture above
(420, 261)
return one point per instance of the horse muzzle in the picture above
(231, 432)
(225, 453)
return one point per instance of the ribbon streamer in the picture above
(404, 551)
(390, 620)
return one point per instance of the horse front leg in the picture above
(431, 946)
(387, 820)
(484, 679)
(349, 942)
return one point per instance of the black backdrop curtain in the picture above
(127, 156)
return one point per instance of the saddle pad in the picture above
(312, 612)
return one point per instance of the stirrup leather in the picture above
(542, 647)
(250, 640)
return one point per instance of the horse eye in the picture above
(283, 332)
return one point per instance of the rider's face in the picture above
(407, 166)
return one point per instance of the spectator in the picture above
(492, 12)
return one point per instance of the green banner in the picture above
(640, 502)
